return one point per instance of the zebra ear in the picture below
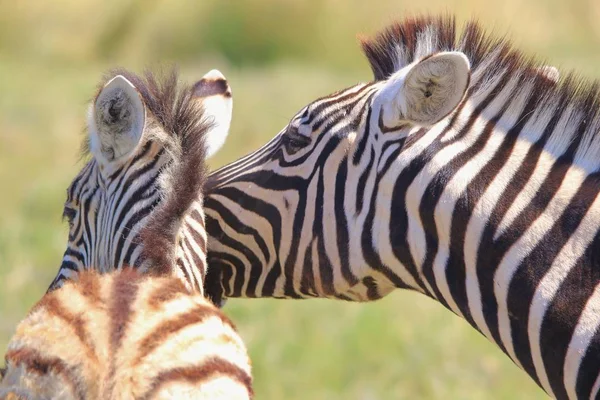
(116, 120)
(214, 93)
(424, 92)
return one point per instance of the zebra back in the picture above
(126, 335)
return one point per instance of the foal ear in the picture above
(214, 93)
(116, 120)
(426, 91)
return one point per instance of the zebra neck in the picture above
(191, 250)
(501, 225)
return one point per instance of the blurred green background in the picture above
(278, 55)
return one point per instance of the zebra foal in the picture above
(142, 133)
(139, 332)
(125, 335)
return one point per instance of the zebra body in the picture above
(130, 336)
(464, 171)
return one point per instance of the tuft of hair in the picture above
(126, 335)
(174, 108)
(404, 42)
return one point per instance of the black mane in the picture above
(492, 59)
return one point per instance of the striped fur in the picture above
(493, 210)
(124, 335)
(156, 172)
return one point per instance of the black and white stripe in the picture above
(494, 210)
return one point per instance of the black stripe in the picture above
(590, 364)
(127, 234)
(364, 138)
(325, 265)
(371, 256)
(362, 183)
(343, 236)
(258, 207)
(329, 101)
(228, 241)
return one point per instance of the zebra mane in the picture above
(494, 61)
(174, 107)
(414, 38)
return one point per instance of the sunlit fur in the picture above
(124, 335)
(494, 211)
(112, 199)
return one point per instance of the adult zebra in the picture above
(142, 133)
(460, 172)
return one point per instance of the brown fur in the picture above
(36, 364)
(211, 368)
(143, 347)
(123, 334)
(206, 88)
(166, 292)
(171, 326)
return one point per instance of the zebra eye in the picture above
(294, 140)
(70, 214)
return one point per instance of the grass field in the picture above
(51, 58)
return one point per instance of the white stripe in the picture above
(475, 228)
(416, 191)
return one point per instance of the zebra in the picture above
(131, 335)
(136, 332)
(142, 133)
(464, 170)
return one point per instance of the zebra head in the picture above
(279, 219)
(148, 139)
(297, 217)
